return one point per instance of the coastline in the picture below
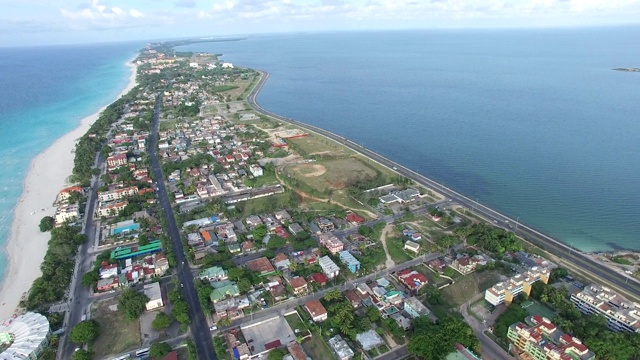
(47, 175)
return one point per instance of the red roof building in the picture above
(354, 218)
(319, 278)
(412, 279)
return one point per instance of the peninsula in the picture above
(202, 225)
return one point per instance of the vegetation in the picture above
(132, 303)
(491, 238)
(158, 350)
(82, 354)
(431, 341)
(161, 322)
(515, 313)
(57, 267)
(85, 332)
(47, 223)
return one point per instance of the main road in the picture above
(624, 284)
(199, 326)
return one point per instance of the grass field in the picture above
(331, 174)
(316, 347)
(318, 146)
(535, 308)
(432, 276)
(114, 342)
(466, 287)
(260, 205)
(396, 250)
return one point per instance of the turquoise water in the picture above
(44, 93)
(532, 123)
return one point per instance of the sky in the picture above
(48, 22)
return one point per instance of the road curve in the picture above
(626, 285)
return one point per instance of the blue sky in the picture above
(39, 22)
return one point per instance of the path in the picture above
(383, 239)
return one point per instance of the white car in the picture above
(213, 328)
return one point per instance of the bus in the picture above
(142, 352)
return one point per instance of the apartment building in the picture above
(622, 314)
(117, 194)
(506, 291)
(331, 242)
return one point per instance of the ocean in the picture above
(534, 123)
(44, 93)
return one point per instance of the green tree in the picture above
(47, 223)
(276, 354)
(132, 303)
(260, 231)
(85, 332)
(161, 322)
(514, 313)
(82, 354)
(158, 350)
(332, 295)
(90, 278)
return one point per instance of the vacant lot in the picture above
(316, 347)
(319, 146)
(337, 173)
(466, 287)
(111, 342)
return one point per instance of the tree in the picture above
(276, 354)
(91, 278)
(143, 240)
(161, 322)
(47, 223)
(85, 332)
(82, 354)
(158, 350)
(133, 303)
(332, 295)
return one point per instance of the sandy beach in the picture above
(47, 174)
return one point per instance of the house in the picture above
(296, 352)
(253, 221)
(354, 219)
(331, 242)
(325, 224)
(412, 246)
(316, 311)
(116, 160)
(416, 236)
(108, 270)
(353, 298)
(329, 268)
(107, 284)
(111, 208)
(154, 293)
(261, 265)
(340, 348)
(256, 170)
(412, 279)
(234, 248)
(282, 215)
(401, 197)
(223, 292)
(318, 278)
(415, 308)
(369, 340)
(437, 265)
(214, 273)
(350, 261)
(67, 213)
(402, 321)
(64, 194)
(281, 261)
(247, 246)
(295, 229)
(314, 229)
(278, 292)
(298, 285)
(161, 264)
(464, 264)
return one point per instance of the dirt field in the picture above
(114, 342)
(466, 287)
(331, 174)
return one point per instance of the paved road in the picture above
(79, 299)
(626, 285)
(489, 348)
(199, 327)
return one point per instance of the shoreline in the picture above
(47, 175)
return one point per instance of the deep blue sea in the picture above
(44, 93)
(534, 123)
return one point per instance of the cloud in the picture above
(186, 3)
(95, 12)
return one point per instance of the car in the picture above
(629, 272)
(181, 285)
(213, 328)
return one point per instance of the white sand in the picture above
(47, 175)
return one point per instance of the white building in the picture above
(341, 348)
(329, 268)
(24, 337)
(67, 213)
(506, 291)
(621, 314)
(227, 65)
(256, 170)
(154, 293)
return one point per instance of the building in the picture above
(111, 208)
(116, 160)
(369, 340)
(107, 284)
(214, 273)
(281, 261)
(295, 229)
(325, 224)
(354, 218)
(331, 242)
(127, 252)
(154, 293)
(67, 213)
(298, 285)
(117, 194)
(401, 197)
(341, 348)
(256, 170)
(108, 271)
(329, 268)
(315, 309)
(223, 292)
(350, 261)
(412, 246)
(506, 291)
(24, 337)
(412, 279)
(261, 265)
(622, 314)
(415, 308)
(539, 339)
(318, 278)
(465, 264)
(64, 194)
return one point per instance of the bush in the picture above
(85, 332)
(158, 350)
(47, 223)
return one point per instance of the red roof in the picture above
(412, 278)
(355, 218)
(318, 278)
(297, 282)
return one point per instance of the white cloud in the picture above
(97, 12)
